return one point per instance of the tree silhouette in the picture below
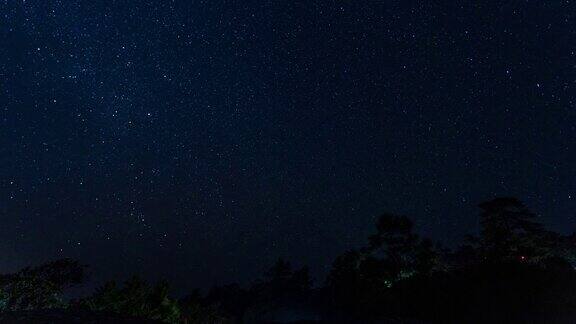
(397, 251)
(281, 282)
(136, 298)
(193, 310)
(282, 286)
(39, 287)
(515, 271)
(362, 280)
(230, 301)
(509, 231)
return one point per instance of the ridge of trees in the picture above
(515, 268)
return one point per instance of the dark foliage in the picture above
(516, 271)
(39, 287)
(136, 298)
(510, 231)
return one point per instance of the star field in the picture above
(200, 140)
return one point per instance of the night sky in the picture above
(198, 141)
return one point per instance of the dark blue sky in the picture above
(200, 140)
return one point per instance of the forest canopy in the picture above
(514, 270)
